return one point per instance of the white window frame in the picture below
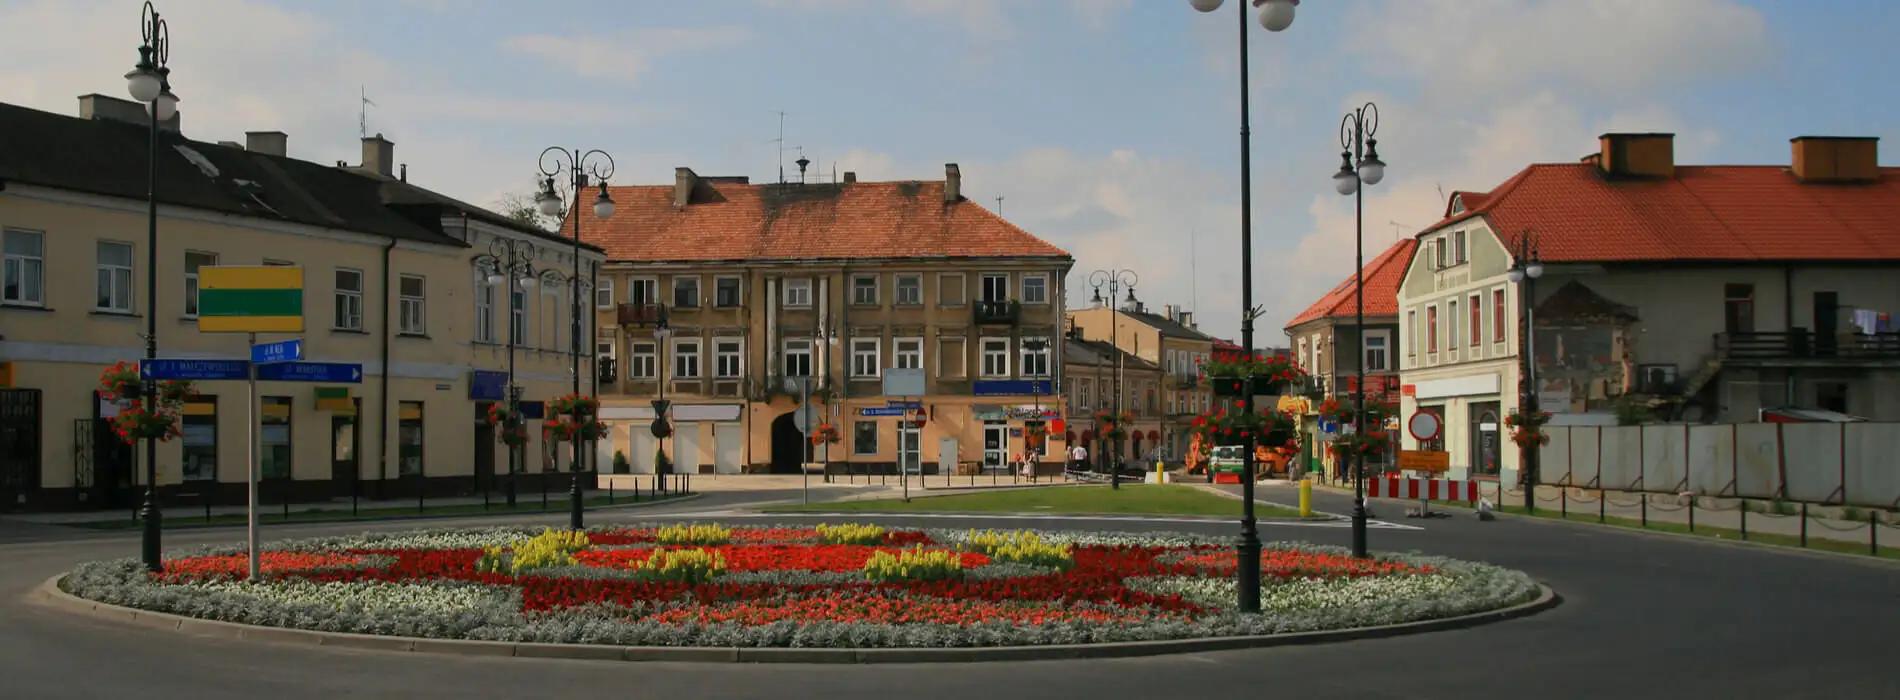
(1411, 333)
(897, 289)
(796, 293)
(983, 286)
(191, 280)
(13, 266)
(517, 313)
(642, 364)
(117, 280)
(738, 292)
(963, 289)
(1451, 329)
(1459, 254)
(604, 294)
(675, 289)
(484, 309)
(412, 307)
(1084, 393)
(1027, 367)
(1024, 284)
(553, 294)
(686, 357)
(962, 354)
(352, 301)
(1384, 351)
(1299, 356)
(651, 284)
(867, 357)
(1431, 330)
(720, 356)
(989, 351)
(911, 357)
(796, 347)
(875, 288)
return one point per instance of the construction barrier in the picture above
(1823, 463)
(1422, 489)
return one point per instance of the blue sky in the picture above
(1108, 126)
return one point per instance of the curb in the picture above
(1318, 515)
(51, 594)
(188, 524)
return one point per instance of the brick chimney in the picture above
(684, 180)
(1637, 155)
(952, 184)
(379, 155)
(1835, 158)
(274, 143)
(97, 106)
(850, 177)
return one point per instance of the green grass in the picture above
(1720, 533)
(1141, 499)
(183, 519)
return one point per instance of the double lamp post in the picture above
(583, 170)
(1113, 281)
(1525, 269)
(150, 83)
(1359, 166)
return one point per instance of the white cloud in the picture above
(622, 56)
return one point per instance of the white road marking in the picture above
(1376, 524)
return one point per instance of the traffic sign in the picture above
(330, 372)
(1423, 461)
(805, 417)
(1424, 425)
(280, 351)
(194, 369)
(1328, 426)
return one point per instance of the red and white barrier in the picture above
(1426, 489)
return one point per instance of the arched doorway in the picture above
(788, 446)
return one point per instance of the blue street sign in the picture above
(534, 410)
(280, 351)
(912, 405)
(194, 369)
(881, 412)
(329, 372)
(487, 385)
(1329, 426)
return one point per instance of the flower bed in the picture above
(854, 587)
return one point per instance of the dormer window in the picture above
(1457, 204)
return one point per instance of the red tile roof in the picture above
(1704, 213)
(1383, 276)
(738, 221)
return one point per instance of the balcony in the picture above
(638, 314)
(1184, 381)
(996, 312)
(1799, 347)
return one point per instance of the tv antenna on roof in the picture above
(781, 145)
(362, 112)
(999, 205)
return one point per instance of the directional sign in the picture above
(194, 369)
(881, 412)
(280, 351)
(912, 405)
(328, 372)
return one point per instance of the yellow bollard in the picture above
(1306, 497)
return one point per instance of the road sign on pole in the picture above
(194, 369)
(280, 351)
(327, 372)
(1424, 425)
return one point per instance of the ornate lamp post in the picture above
(1275, 15)
(510, 263)
(1524, 271)
(1359, 166)
(1114, 280)
(660, 428)
(583, 170)
(150, 83)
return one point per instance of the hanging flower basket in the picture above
(825, 433)
(567, 430)
(1113, 426)
(1234, 425)
(1369, 445)
(120, 382)
(1343, 411)
(1528, 429)
(514, 435)
(134, 423)
(1250, 375)
(574, 404)
(498, 414)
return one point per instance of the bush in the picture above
(693, 534)
(914, 564)
(851, 533)
(621, 466)
(1021, 547)
(681, 565)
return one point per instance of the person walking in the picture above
(1078, 457)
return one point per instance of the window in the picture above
(201, 438)
(1738, 308)
(864, 290)
(604, 294)
(798, 357)
(349, 300)
(193, 261)
(640, 361)
(604, 360)
(1477, 320)
(686, 358)
(114, 278)
(727, 358)
(1035, 289)
(1458, 248)
(277, 263)
(643, 292)
(1451, 325)
(274, 437)
(1438, 252)
(1378, 344)
(484, 309)
(864, 437)
(798, 293)
(951, 356)
(995, 287)
(686, 292)
(23, 272)
(864, 357)
(409, 438)
(517, 314)
(908, 352)
(1085, 394)
(1299, 357)
(725, 292)
(1497, 315)
(1411, 333)
(995, 357)
(409, 305)
(1035, 360)
(950, 291)
(1431, 329)
(910, 290)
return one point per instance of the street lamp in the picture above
(583, 170)
(150, 83)
(1524, 271)
(1038, 347)
(1275, 15)
(1359, 167)
(660, 428)
(1114, 280)
(510, 263)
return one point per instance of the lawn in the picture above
(185, 518)
(1144, 499)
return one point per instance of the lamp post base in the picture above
(1247, 575)
(149, 548)
(574, 500)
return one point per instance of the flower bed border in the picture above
(53, 593)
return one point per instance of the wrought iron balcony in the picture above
(1801, 346)
(997, 312)
(638, 314)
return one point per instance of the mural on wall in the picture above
(1584, 350)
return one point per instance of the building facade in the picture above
(779, 295)
(1674, 293)
(1093, 371)
(1170, 341)
(389, 285)
(1325, 341)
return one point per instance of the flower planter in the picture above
(1235, 387)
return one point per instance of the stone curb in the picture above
(51, 594)
(190, 525)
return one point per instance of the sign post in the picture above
(1425, 427)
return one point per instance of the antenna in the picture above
(1441, 194)
(1194, 276)
(999, 205)
(1398, 229)
(781, 145)
(362, 112)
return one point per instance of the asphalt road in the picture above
(1644, 616)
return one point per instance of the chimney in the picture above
(97, 106)
(379, 155)
(684, 180)
(952, 184)
(1167, 312)
(1835, 158)
(850, 177)
(274, 143)
(1637, 155)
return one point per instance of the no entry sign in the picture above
(1424, 425)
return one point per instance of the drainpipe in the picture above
(1787, 324)
(382, 422)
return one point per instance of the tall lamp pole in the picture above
(1114, 280)
(661, 428)
(583, 170)
(1275, 15)
(150, 83)
(1359, 166)
(1524, 271)
(510, 264)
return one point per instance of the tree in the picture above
(521, 206)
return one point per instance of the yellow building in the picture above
(389, 285)
(1092, 374)
(765, 287)
(1169, 340)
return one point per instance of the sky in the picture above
(1108, 127)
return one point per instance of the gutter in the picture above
(382, 426)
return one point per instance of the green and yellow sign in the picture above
(250, 299)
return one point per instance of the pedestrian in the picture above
(1078, 457)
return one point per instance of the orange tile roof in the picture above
(729, 220)
(1383, 276)
(1742, 213)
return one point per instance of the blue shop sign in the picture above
(1012, 387)
(487, 385)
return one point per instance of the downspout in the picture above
(1787, 325)
(382, 422)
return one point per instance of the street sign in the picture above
(805, 417)
(886, 412)
(1424, 425)
(327, 372)
(194, 369)
(250, 299)
(487, 385)
(901, 405)
(280, 351)
(1423, 461)
(1328, 426)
